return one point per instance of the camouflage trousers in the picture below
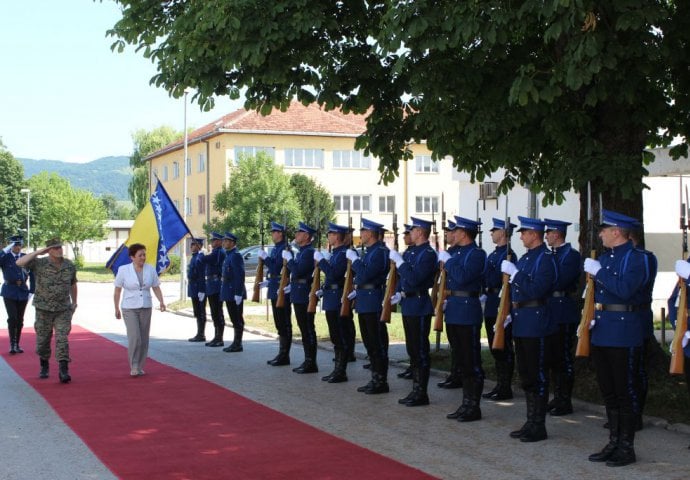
(46, 322)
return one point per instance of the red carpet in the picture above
(171, 424)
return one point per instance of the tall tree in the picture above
(315, 201)
(557, 93)
(12, 202)
(258, 189)
(115, 209)
(145, 143)
(59, 210)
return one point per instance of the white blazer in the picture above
(133, 295)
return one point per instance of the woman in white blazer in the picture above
(137, 279)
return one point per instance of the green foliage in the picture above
(175, 262)
(12, 201)
(145, 143)
(258, 191)
(79, 262)
(315, 202)
(555, 94)
(116, 210)
(59, 210)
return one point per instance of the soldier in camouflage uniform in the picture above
(55, 301)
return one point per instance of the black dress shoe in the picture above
(450, 383)
(197, 338)
(309, 368)
(472, 414)
(12, 350)
(378, 388)
(457, 413)
(418, 400)
(338, 378)
(367, 366)
(501, 395)
(18, 349)
(327, 377)
(366, 387)
(403, 401)
(560, 410)
(215, 343)
(279, 362)
(406, 374)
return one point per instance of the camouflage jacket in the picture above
(53, 283)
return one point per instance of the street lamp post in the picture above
(28, 216)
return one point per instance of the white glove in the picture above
(396, 257)
(508, 319)
(8, 248)
(443, 256)
(352, 295)
(263, 284)
(445, 304)
(31, 295)
(685, 340)
(319, 293)
(238, 299)
(262, 254)
(592, 323)
(201, 296)
(351, 255)
(683, 269)
(592, 266)
(287, 289)
(318, 256)
(287, 255)
(395, 299)
(508, 268)
(482, 299)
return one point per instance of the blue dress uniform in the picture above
(504, 360)
(370, 280)
(301, 274)
(281, 315)
(15, 291)
(565, 311)
(417, 270)
(620, 277)
(463, 316)
(334, 269)
(233, 292)
(213, 265)
(533, 327)
(673, 316)
(196, 290)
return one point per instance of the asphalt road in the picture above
(35, 444)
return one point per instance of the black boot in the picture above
(283, 357)
(625, 451)
(537, 430)
(215, 337)
(472, 412)
(420, 396)
(529, 403)
(236, 345)
(64, 372)
(339, 375)
(613, 423)
(10, 332)
(200, 331)
(504, 376)
(379, 376)
(17, 337)
(45, 366)
(562, 402)
(406, 374)
(454, 377)
(460, 410)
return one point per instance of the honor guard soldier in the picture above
(504, 360)
(532, 281)
(332, 293)
(620, 276)
(15, 290)
(683, 271)
(416, 270)
(565, 311)
(370, 279)
(407, 240)
(196, 288)
(281, 315)
(463, 313)
(213, 265)
(648, 322)
(232, 289)
(301, 275)
(454, 378)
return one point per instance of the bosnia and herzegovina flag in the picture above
(159, 227)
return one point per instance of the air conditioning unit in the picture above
(488, 191)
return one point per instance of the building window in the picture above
(188, 206)
(176, 170)
(165, 173)
(350, 159)
(177, 205)
(303, 158)
(426, 204)
(248, 151)
(188, 165)
(424, 164)
(387, 204)
(201, 201)
(352, 203)
(201, 165)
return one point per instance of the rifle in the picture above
(583, 337)
(284, 273)
(479, 227)
(256, 295)
(392, 281)
(434, 289)
(316, 281)
(440, 283)
(346, 303)
(677, 366)
(499, 342)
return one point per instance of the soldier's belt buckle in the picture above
(598, 306)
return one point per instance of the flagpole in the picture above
(183, 255)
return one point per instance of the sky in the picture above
(64, 95)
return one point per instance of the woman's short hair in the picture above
(134, 248)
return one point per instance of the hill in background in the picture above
(104, 175)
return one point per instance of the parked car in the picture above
(251, 258)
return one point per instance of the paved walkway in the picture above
(37, 445)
